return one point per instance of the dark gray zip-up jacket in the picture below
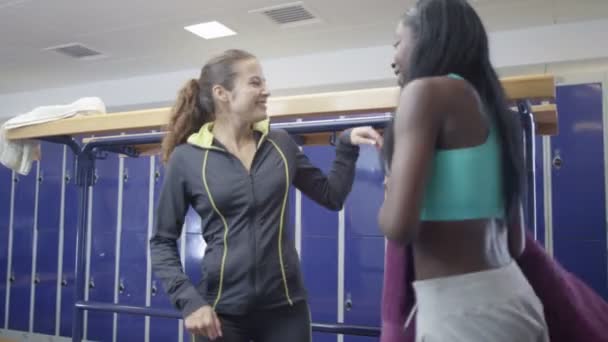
(249, 262)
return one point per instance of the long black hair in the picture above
(449, 37)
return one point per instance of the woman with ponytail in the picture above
(223, 160)
(186, 118)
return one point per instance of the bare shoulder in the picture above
(430, 98)
(440, 91)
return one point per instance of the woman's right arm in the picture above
(168, 221)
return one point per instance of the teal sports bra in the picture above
(466, 183)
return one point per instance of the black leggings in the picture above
(290, 323)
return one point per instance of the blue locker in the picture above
(136, 181)
(132, 284)
(319, 268)
(192, 222)
(319, 260)
(579, 194)
(5, 203)
(195, 250)
(366, 196)
(70, 227)
(364, 271)
(5, 195)
(49, 210)
(49, 194)
(159, 177)
(585, 258)
(103, 241)
(161, 329)
(135, 194)
(101, 285)
(46, 282)
(21, 268)
(320, 271)
(364, 268)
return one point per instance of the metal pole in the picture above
(85, 169)
(529, 129)
(343, 329)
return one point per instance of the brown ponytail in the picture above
(194, 106)
(186, 118)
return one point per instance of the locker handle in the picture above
(12, 278)
(121, 287)
(64, 282)
(67, 178)
(125, 175)
(557, 162)
(156, 175)
(348, 303)
(154, 289)
(37, 279)
(91, 284)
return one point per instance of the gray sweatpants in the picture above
(497, 305)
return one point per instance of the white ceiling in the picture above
(147, 36)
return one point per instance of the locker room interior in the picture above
(342, 253)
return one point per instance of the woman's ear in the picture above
(219, 93)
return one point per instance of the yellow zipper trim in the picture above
(219, 292)
(281, 221)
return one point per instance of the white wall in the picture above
(515, 52)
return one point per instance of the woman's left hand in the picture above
(365, 135)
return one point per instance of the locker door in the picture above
(194, 252)
(21, 268)
(161, 329)
(103, 242)
(540, 190)
(5, 207)
(578, 176)
(70, 227)
(364, 262)
(132, 282)
(195, 247)
(49, 199)
(319, 259)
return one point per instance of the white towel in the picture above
(18, 155)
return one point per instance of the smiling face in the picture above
(404, 44)
(248, 96)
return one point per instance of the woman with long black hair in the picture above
(455, 181)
